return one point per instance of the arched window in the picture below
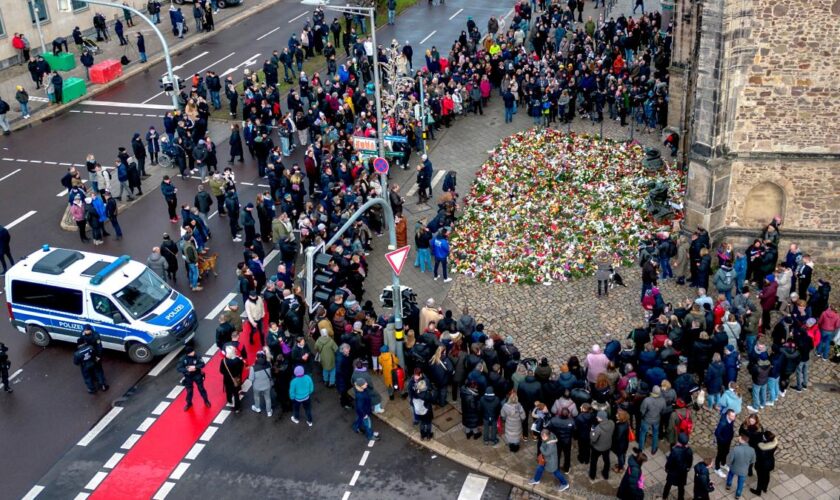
(765, 201)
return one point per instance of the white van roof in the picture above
(58, 266)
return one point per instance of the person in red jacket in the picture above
(829, 324)
(767, 298)
(20, 43)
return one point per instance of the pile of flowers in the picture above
(546, 202)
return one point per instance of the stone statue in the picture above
(656, 202)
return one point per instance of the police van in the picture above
(54, 292)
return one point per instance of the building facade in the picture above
(761, 135)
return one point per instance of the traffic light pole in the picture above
(163, 43)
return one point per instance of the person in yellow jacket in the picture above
(387, 362)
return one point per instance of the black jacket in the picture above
(678, 464)
(583, 426)
(563, 428)
(470, 410)
(490, 407)
(620, 438)
(187, 361)
(529, 391)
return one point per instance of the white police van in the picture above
(54, 292)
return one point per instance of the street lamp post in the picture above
(380, 139)
(66, 6)
(36, 13)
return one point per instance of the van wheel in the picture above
(39, 336)
(139, 353)
(222, 4)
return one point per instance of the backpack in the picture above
(727, 279)
(419, 406)
(684, 423)
(632, 385)
(4, 107)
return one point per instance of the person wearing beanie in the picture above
(300, 392)
(364, 409)
(651, 411)
(677, 465)
(490, 407)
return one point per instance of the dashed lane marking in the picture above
(355, 477)
(179, 471)
(131, 441)
(455, 14)
(33, 492)
(96, 480)
(164, 490)
(100, 426)
(296, 18)
(163, 363)
(365, 456)
(9, 175)
(134, 105)
(346, 495)
(144, 426)
(208, 434)
(175, 392)
(82, 496)
(21, 219)
(161, 407)
(113, 461)
(270, 32)
(194, 451)
(221, 417)
(220, 306)
(427, 37)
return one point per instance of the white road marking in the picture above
(34, 492)
(206, 359)
(371, 443)
(82, 496)
(39, 99)
(247, 183)
(15, 374)
(194, 451)
(144, 426)
(221, 417)
(22, 161)
(221, 305)
(270, 32)
(179, 471)
(202, 70)
(473, 487)
(263, 185)
(130, 442)
(175, 392)
(427, 37)
(88, 112)
(296, 18)
(34, 161)
(209, 433)
(164, 490)
(355, 477)
(99, 112)
(96, 480)
(21, 219)
(8, 159)
(249, 62)
(212, 350)
(126, 105)
(271, 255)
(100, 426)
(113, 461)
(162, 364)
(455, 14)
(346, 495)
(9, 175)
(161, 407)
(213, 215)
(65, 164)
(365, 456)
(181, 66)
(50, 162)
(246, 386)
(113, 113)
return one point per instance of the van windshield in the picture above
(143, 294)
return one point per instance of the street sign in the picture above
(381, 166)
(397, 258)
(394, 154)
(368, 152)
(396, 138)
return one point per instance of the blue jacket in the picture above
(730, 401)
(122, 173)
(740, 267)
(731, 362)
(99, 206)
(725, 430)
(441, 247)
(301, 388)
(167, 190)
(714, 378)
(363, 404)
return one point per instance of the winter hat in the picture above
(601, 415)
(348, 328)
(656, 391)
(430, 302)
(489, 392)
(770, 278)
(384, 348)
(357, 326)
(683, 438)
(730, 348)
(360, 382)
(298, 371)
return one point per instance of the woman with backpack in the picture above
(261, 382)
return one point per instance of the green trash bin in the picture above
(73, 89)
(64, 61)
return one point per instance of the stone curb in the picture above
(514, 479)
(52, 111)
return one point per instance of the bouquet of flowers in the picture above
(546, 202)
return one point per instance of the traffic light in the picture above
(168, 86)
(323, 279)
(409, 298)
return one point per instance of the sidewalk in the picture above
(39, 107)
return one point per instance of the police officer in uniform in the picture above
(5, 364)
(88, 357)
(190, 367)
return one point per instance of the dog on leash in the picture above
(616, 279)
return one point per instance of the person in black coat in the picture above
(470, 410)
(621, 440)
(563, 427)
(235, 143)
(490, 407)
(702, 483)
(765, 461)
(677, 466)
(169, 251)
(529, 392)
(583, 426)
(139, 150)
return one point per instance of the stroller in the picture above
(91, 45)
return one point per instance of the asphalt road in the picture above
(50, 410)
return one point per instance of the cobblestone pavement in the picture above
(566, 318)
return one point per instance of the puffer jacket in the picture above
(470, 411)
(563, 428)
(513, 415)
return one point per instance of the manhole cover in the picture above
(827, 388)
